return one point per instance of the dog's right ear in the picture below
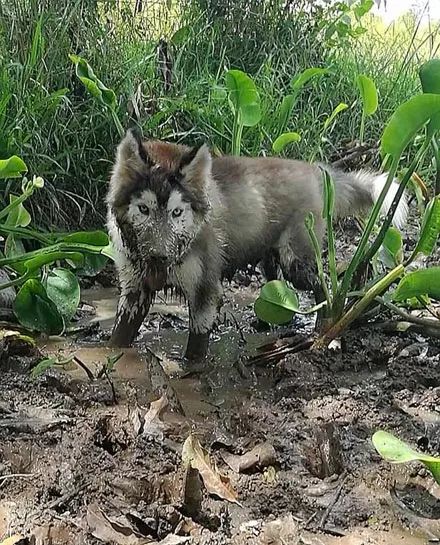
(132, 149)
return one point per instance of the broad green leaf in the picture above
(284, 139)
(368, 93)
(181, 35)
(339, 108)
(430, 228)
(429, 74)
(18, 216)
(406, 121)
(277, 303)
(14, 167)
(363, 8)
(418, 284)
(93, 263)
(244, 97)
(96, 88)
(35, 310)
(301, 79)
(391, 252)
(14, 248)
(63, 289)
(396, 451)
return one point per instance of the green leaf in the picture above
(35, 263)
(301, 79)
(181, 35)
(93, 263)
(244, 97)
(368, 93)
(18, 216)
(339, 108)
(35, 311)
(63, 289)
(418, 284)
(13, 167)
(406, 121)
(96, 88)
(430, 228)
(42, 366)
(391, 252)
(429, 74)
(285, 111)
(396, 451)
(284, 139)
(277, 303)
(13, 248)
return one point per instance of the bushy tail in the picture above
(357, 191)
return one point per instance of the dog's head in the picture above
(159, 197)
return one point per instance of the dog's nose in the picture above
(158, 258)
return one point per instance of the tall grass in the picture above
(48, 118)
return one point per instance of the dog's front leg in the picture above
(134, 304)
(203, 311)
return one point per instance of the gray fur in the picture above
(240, 211)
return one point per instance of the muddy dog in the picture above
(178, 217)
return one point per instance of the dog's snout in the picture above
(158, 258)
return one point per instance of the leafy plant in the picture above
(244, 101)
(344, 302)
(368, 92)
(47, 298)
(397, 451)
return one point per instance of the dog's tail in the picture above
(356, 192)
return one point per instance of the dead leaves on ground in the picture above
(120, 531)
(261, 456)
(215, 483)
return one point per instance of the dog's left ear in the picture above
(195, 165)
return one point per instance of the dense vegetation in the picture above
(175, 88)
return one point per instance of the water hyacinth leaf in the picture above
(430, 228)
(424, 282)
(14, 167)
(301, 79)
(244, 97)
(35, 263)
(93, 263)
(429, 74)
(396, 451)
(407, 121)
(35, 311)
(96, 88)
(277, 303)
(284, 139)
(339, 108)
(391, 252)
(368, 92)
(18, 216)
(63, 289)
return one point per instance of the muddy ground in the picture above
(89, 460)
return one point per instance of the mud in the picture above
(87, 461)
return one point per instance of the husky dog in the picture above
(178, 217)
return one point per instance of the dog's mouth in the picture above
(156, 275)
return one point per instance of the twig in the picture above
(4, 478)
(327, 512)
(83, 366)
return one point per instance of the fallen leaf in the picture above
(152, 418)
(261, 456)
(194, 455)
(172, 539)
(112, 531)
(12, 540)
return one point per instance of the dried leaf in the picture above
(152, 418)
(112, 531)
(215, 483)
(260, 456)
(12, 540)
(172, 539)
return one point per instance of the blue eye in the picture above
(177, 212)
(143, 208)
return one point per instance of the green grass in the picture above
(48, 118)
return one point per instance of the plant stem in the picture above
(436, 152)
(359, 307)
(362, 128)
(318, 256)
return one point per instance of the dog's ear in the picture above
(132, 149)
(196, 166)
